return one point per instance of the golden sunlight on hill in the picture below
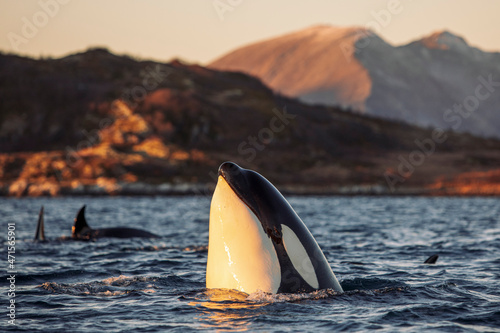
(126, 128)
(316, 64)
(125, 151)
(154, 147)
(471, 183)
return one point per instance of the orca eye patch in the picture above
(299, 257)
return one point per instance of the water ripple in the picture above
(375, 245)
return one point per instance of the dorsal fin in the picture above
(80, 223)
(40, 230)
(432, 259)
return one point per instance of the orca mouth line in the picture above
(227, 171)
(224, 173)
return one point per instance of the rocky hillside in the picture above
(98, 123)
(439, 81)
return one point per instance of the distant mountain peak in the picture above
(333, 28)
(300, 64)
(352, 67)
(328, 31)
(444, 40)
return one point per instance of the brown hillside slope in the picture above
(96, 123)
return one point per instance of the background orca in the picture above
(40, 228)
(258, 242)
(81, 230)
(432, 259)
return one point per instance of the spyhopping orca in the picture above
(81, 230)
(432, 259)
(40, 229)
(258, 242)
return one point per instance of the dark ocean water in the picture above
(375, 245)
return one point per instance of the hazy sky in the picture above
(201, 30)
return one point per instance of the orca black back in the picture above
(82, 231)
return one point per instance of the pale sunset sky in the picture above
(201, 30)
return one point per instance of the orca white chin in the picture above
(240, 254)
(257, 242)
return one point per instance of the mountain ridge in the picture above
(97, 124)
(355, 68)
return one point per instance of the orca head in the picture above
(258, 242)
(81, 229)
